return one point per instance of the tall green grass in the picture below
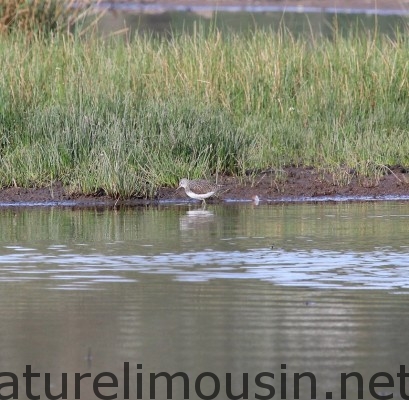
(129, 117)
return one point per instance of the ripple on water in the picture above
(378, 269)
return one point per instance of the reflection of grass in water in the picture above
(131, 116)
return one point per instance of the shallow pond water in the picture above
(314, 23)
(240, 289)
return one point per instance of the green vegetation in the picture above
(42, 16)
(130, 116)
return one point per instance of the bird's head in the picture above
(183, 183)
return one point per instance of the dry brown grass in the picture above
(41, 15)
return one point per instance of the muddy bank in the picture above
(290, 184)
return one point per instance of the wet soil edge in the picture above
(289, 184)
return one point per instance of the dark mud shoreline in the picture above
(290, 185)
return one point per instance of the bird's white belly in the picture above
(199, 196)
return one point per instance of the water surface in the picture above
(321, 23)
(241, 289)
